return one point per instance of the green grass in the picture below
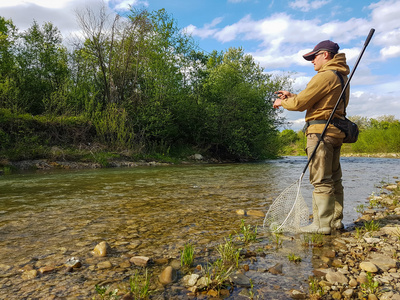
(248, 233)
(187, 256)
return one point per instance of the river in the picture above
(48, 216)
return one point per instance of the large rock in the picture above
(168, 275)
(383, 262)
(368, 267)
(336, 277)
(256, 213)
(240, 280)
(141, 261)
(101, 249)
(190, 280)
(30, 274)
(276, 270)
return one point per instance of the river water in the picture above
(47, 217)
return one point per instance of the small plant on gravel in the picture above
(372, 225)
(229, 253)
(373, 201)
(140, 285)
(294, 258)
(102, 292)
(313, 239)
(218, 275)
(359, 233)
(371, 286)
(251, 291)
(248, 233)
(360, 208)
(187, 256)
(315, 290)
(277, 238)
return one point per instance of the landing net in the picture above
(288, 212)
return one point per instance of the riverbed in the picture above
(49, 216)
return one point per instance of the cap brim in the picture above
(310, 55)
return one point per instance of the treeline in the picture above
(134, 83)
(377, 135)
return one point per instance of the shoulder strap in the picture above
(344, 94)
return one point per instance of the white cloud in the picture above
(124, 5)
(390, 52)
(306, 5)
(42, 3)
(208, 30)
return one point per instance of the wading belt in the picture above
(313, 122)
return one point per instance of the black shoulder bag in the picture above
(349, 128)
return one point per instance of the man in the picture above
(319, 98)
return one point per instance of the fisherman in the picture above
(318, 99)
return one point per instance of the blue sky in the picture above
(275, 32)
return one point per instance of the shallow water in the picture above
(48, 216)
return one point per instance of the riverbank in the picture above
(363, 262)
(48, 164)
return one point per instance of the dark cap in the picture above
(324, 45)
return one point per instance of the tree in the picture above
(8, 36)
(42, 66)
(239, 118)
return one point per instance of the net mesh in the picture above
(288, 212)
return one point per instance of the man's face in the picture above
(319, 60)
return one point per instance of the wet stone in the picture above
(168, 275)
(101, 249)
(104, 265)
(276, 270)
(368, 267)
(29, 274)
(240, 280)
(141, 261)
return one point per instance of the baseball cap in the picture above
(326, 45)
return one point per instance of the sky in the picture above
(275, 32)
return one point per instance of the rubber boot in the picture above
(323, 209)
(338, 214)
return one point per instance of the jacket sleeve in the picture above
(316, 89)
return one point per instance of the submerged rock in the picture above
(168, 275)
(101, 249)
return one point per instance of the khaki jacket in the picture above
(320, 96)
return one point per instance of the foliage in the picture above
(380, 135)
(140, 84)
(291, 142)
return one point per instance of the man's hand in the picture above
(277, 103)
(282, 95)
